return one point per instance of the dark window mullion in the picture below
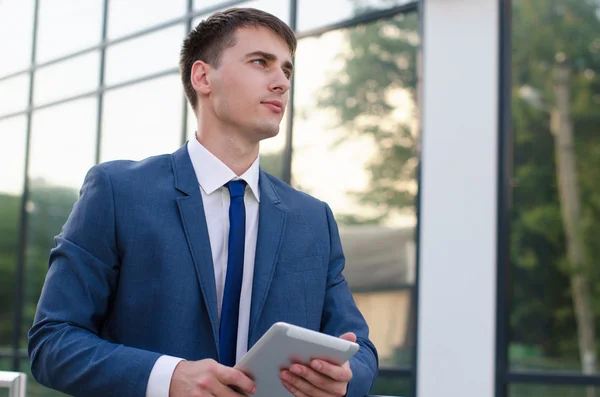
(184, 111)
(101, 81)
(23, 230)
(286, 173)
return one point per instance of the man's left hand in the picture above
(321, 379)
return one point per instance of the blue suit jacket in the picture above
(131, 278)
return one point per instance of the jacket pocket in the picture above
(298, 265)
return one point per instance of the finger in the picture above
(332, 388)
(340, 373)
(315, 378)
(293, 390)
(234, 377)
(350, 336)
(239, 391)
(222, 390)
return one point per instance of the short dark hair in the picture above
(215, 34)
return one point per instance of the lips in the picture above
(275, 106)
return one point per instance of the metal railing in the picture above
(15, 382)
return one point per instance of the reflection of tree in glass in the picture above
(380, 64)
(379, 67)
(556, 211)
(9, 226)
(272, 163)
(48, 209)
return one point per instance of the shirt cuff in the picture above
(159, 381)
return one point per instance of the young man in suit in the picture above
(169, 269)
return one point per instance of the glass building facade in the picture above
(88, 82)
(456, 142)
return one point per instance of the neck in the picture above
(235, 152)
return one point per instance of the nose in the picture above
(280, 82)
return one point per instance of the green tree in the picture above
(556, 88)
(272, 163)
(9, 234)
(48, 209)
(381, 61)
(556, 58)
(380, 64)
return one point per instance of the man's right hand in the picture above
(206, 378)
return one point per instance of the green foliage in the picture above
(272, 163)
(48, 208)
(530, 390)
(9, 226)
(542, 311)
(380, 63)
(382, 59)
(391, 386)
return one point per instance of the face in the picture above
(249, 91)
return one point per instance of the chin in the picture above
(266, 132)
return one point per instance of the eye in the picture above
(260, 62)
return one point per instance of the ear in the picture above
(199, 77)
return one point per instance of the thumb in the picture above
(349, 336)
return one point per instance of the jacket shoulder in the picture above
(135, 171)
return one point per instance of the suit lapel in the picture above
(191, 210)
(271, 225)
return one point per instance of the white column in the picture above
(457, 301)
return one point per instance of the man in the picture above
(169, 269)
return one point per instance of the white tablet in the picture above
(284, 344)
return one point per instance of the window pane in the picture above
(142, 120)
(202, 4)
(12, 171)
(313, 14)
(355, 147)
(526, 390)
(391, 386)
(279, 8)
(555, 219)
(12, 155)
(126, 16)
(63, 147)
(63, 144)
(144, 56)
(58, 163)
(271, 151)
(14, 94)
(16, 33)
(191, 122)
(67, 26)
(66, 79)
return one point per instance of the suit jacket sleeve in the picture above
(340, 315)
(66, 350)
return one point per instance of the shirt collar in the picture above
(220, 174)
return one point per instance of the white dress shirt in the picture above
(212, 174)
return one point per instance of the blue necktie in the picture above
(230, 308)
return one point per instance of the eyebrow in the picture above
(270, 57)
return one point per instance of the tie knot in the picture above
(236, 188)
